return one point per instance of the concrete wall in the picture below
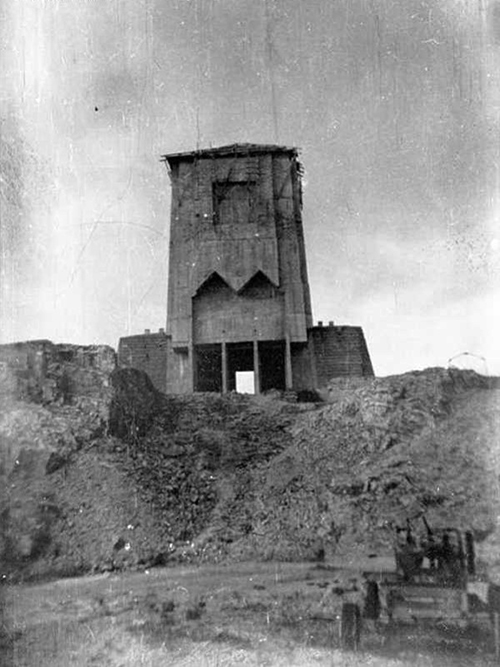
(339, 351)
(303, 367)
(236, 216)
(331, 352)
(219, 313)
(148, 353)
(291, 249)
(179, 370)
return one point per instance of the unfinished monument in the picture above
(239, 305)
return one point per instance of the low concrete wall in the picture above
(147, 352)
(339, 351)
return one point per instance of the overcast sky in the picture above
(395, 106)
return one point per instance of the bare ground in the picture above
(239, 614)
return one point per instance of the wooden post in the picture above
(288, 363)
(256, 368)
(224, 367)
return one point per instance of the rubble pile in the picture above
(42, 372)
(128, 478)
(56, 401)
(395, 448)
(113, 474)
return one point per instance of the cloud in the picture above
(392, 103)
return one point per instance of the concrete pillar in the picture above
(192, 379)
(256, 367)
(224, 367)
(288, 363)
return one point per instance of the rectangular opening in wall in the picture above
(233, 203)
(239, 360)
(272, 365)
(245, 382)
(208, 360)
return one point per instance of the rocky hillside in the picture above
(115, 475)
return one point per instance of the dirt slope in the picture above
(128, 477)
(396, 448)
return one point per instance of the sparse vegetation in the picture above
(208, 616)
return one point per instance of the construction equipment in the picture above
(435, 581)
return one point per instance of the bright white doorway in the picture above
(245, 382)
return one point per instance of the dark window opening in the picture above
(208, 359)
(233, 202)
(272, 365)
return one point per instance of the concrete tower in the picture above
(238, 294)
(239, 307)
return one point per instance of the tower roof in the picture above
(230, 150)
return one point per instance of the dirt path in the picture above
(246, 614)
